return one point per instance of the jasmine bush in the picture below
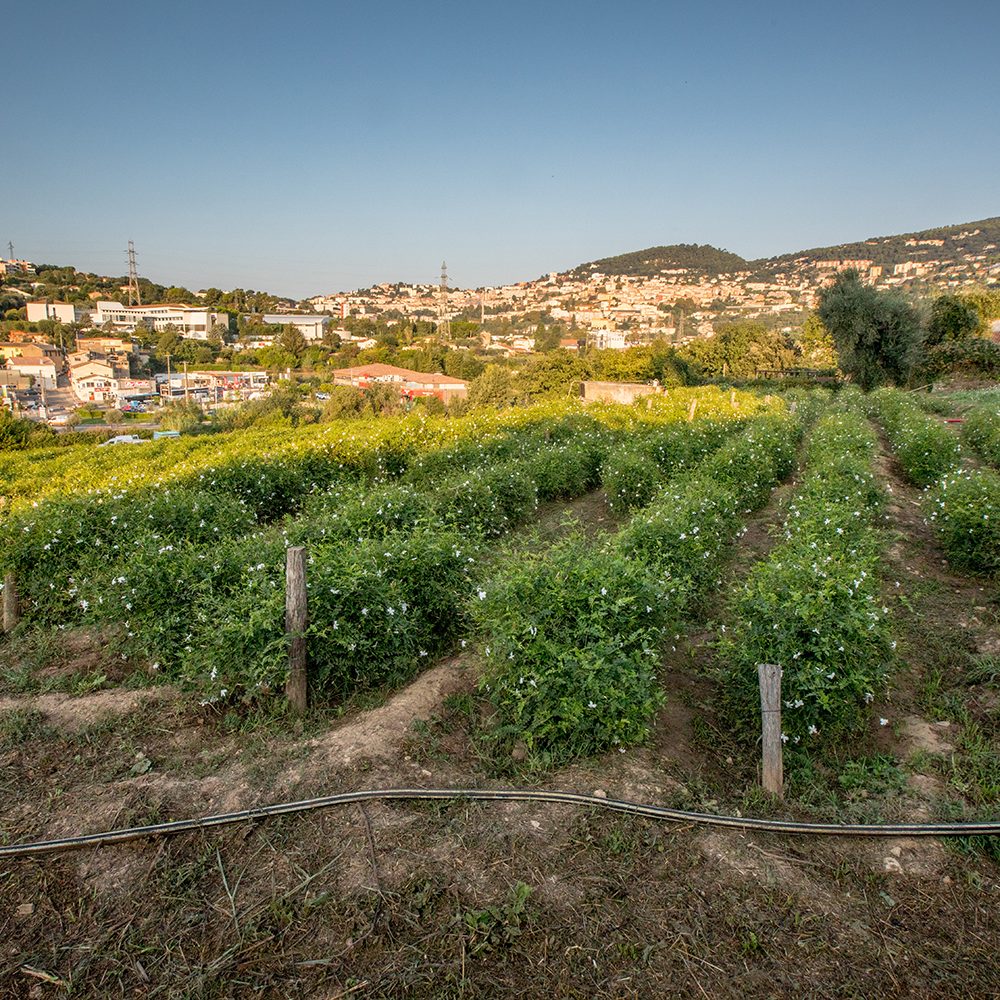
(813, 606)
(630, 479)
(569, 638)
(488, 501)
(924, 447)
(53, 547)
(964, 509)
(981, 430)
(377, 609)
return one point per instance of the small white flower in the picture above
(482, 595)
(590, 704)
(883, 722)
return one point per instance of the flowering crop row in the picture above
(571, 635)
(391, 561)
(925, 448)
(318, 454)
(813, 605)
(965, 511)
(982, 430)
(963, 506)
(486, 487)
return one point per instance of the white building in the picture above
(64, 312)
(93, 381)
(42, 370)
(607, 340)
(309, 325)
(195, 322)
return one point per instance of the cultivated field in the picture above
(554, 597)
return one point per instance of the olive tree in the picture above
(877, 334)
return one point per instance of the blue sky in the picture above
(308, 147)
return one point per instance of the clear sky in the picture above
(307, 147)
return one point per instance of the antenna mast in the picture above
(133, 278)
(444, 323)
(10, 249)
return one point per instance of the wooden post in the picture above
(732, 398)
(296, 620)
(769, 676)
(692, 408)
(11, 610)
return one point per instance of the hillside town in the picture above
(119, 354)
(678, 304)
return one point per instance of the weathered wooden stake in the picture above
(769, 676)
(296, 620)
(692, 408)
(11, 609)
(732, 398)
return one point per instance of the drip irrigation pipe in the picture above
(986, 828)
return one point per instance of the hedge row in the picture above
(981, 430)
(964, 509)
(925, 448)
(813, 605)
(571, 636)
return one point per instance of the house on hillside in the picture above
(93, 381)
(62, 312)
(41, 370)
(411, 384)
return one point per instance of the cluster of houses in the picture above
(24, 363)
(411, 385)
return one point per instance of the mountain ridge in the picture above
(886, 250)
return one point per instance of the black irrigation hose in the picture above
(509, 795)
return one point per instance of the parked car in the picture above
(124, 439)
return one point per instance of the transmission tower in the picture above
(444, 323)
(133, 277)
(10, 249)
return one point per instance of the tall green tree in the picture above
(547, 337)
(952, 318)
(816, 344)
(494, 388)
(291, 340)
(739, 350)
(877, 334)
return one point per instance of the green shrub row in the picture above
(981, 430)
(210, 610)
(964, 509)
(633, 473)
(813, 605)
(925, 448)
(377, 610)
(571, 636)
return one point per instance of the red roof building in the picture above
(411, 384)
